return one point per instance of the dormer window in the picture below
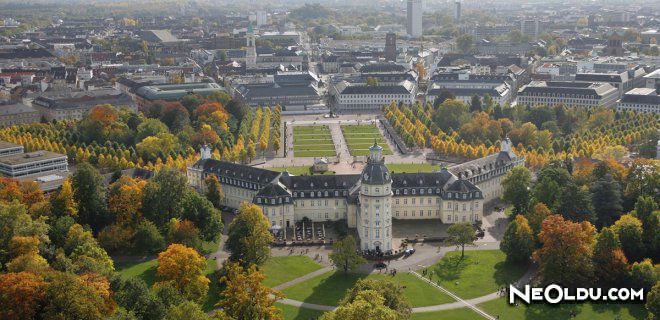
(421, 191)
(336, 193)
(413, 191)
(325, 184)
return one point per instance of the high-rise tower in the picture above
(414, 18)
(374, 218)
(457, 11)
(251, 50)
(390, 46)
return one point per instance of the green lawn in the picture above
(329, 288)
(477, 274)
(453, 314)
(299, 170)
(312, 141)
(413, 167)
(279, 270)
(147, 271)
(361, 137)
(585, 311)
(295, 313)
(209, 246)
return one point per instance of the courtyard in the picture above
(312, 141)
(360, 138)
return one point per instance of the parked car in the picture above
(408, 252)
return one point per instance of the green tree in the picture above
(629, 230)
(367, 304)
(186, 310)
(653, 301)
(393, 295)
(575, 203)
(516, 188)
(460, 234)
(646, 210)
(15, 221)
(344, 254)
(464, 43)
(475, 104)
(134, 295)
(606, 200)
(547, 191)
(249, 236)
(451, 114)
(643, 274)
(90, 194)
(147, 238)
(201, 212)
(162, 196)
(69, 297)
(442, 97)
(518, 241)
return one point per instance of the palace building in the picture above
(369, 201)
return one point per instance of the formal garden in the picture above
(360, 138)
(312, 141)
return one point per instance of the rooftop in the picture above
(22, 158)
(7, 145)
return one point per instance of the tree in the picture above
(535, 217)
(344, 254)
(372, 82)
(90, 194)
(367, 304)
(516, 188)
(186, 310)
(518, 241)
(566, 252)
(184, 267)
(214, 190)
(610, 263)
(15, 221)
(460, 234)
(249, 236)
(391, 292)
(134, 295)
(183, 232)
(653, 301)
(475, 104)
(547, 191)
(201, 212)
(464, 43)
(163, 198)
(147, 238)
(643, 274)
(606, 200)
(629, 230)
(646, 211)
(451, 114)
(575, 203)
(64, 203)
(442, 97)
(20, 295)
(149, 128)
(245, 297)
(69, 296)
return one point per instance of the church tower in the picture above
(374, 218)
(251, 50)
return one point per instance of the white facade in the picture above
(374, 218)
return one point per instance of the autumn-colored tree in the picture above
(15, 221)
(566, 251)
(68, 296)
(214, 190)
(610, 264)
(245, 297)
(184, 267)
(125, 201)
(249, 236)
(183, 232)
(536, 216)
(25, 253)
(32, 193)
(20, 295)
(392, 293)
(518, 241)
(64, 203)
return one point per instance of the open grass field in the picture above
(312, 141)
(279, 270)
(329, 288)
(479, 273)
(360, 137)
(295, 313)
(583, 311)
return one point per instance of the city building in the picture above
(652, 80)
(414, 18)
(357, 96)
(173, 92)
(570, 94)
(463, 85)
(641, 100)
(457, 11)
(75, 104)
(18, 113)
(8, 148)
(371, 201)
(23, 164)
(390, 47)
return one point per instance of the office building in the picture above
(640, 100)
(390, 46)
(414, 18)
